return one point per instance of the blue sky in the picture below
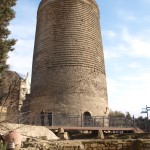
(125, 26)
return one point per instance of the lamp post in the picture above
(145, 110)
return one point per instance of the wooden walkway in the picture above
(107, 129)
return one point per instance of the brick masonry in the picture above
(68, 73)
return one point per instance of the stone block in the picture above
(100, 134)
(63, 136)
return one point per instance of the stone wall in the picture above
(92, 145)
(117, 144)
(68, 74)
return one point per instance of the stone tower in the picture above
(68, 73)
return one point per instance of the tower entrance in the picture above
(87, 119)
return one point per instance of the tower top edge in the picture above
(53, 0)
(86, 1)
(91, 3)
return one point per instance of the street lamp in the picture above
(145, 110)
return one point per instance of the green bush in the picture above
(2, 146)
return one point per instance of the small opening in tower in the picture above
(87, 119)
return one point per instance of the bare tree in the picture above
(9, 96)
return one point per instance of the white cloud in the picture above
(22, 64)
(130, 95)
(110, 53)
(125, 43)
(126, 15)
(143, 78)
(137, 46)
(112, 85)
(109, 34)
(22, 31)
(20, 60)
(134, 65)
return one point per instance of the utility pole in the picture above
(145, 110)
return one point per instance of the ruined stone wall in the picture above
(143, 144)
(68, 74)
(116, 145)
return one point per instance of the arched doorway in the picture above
(87, 119)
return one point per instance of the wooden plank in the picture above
(91, 128)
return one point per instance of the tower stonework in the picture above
(68, 72)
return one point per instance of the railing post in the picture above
(93, 122)
(109, 121)
(18, 118)
(133, 121)
(52, 118)
(81, 120)
(103, 121)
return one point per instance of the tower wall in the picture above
(68, 73)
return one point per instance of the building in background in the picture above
(12, 95)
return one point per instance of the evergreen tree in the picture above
(128, 115)
(6, 45)
(116, 114)
(6, 15)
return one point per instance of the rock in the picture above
(28, 131)
(100, 134)
(63, 136)
(60, 130)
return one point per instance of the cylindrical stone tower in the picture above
(68, 74)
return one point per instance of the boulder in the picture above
(28, 131)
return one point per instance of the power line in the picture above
(145, 110)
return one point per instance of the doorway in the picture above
(87, 119)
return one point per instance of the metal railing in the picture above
(75, 120)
